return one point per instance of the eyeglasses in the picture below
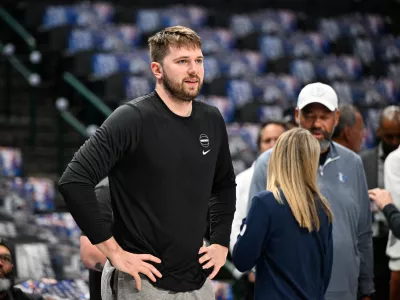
(5, 258)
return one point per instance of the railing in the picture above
(62, 106)
(65, 116)
(32, 78)
(86, 93)
(18, 28)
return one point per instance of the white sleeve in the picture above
(243, 181)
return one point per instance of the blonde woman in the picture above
(288, 232)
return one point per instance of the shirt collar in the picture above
(332, 151)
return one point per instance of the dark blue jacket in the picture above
(291, 263)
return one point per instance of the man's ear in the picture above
(156, 68)
(337, 116)
(297, 115)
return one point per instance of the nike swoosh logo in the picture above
(205, 152)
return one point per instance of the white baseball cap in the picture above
(318, 93)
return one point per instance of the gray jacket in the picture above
(342, 181)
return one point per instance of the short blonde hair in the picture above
(292, 170)
(178, 36)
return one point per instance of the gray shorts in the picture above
(122, 286)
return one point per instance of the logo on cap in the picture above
(317, 91)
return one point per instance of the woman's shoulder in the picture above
(267, 198)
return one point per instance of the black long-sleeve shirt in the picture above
(392, 215)
(165, 172)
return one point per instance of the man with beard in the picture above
(168, 162)
(7, 289)
(374, 159)
(341, 179)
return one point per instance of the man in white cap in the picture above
(342, 181)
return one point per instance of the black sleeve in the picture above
(118, 135)
(223, 195)
(103, 196)
(392, 214)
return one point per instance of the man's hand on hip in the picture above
(130, 263)
(134, 264)
(215, 256)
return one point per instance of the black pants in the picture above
(381, 268)
(95, 285)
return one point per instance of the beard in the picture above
(6, 280)
(325, 142)
(178, 91)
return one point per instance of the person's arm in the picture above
(364, 235)
(392, 185)
(223, 194)
(118, 135)
(392, 214)
(251, 240)
(384, 201)
(91, 256)
(259, 180)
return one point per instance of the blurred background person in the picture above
(349, 131)
(392, 185)
(388, 133)
(7, 289)
(287, 234)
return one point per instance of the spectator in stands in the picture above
(93, 258)
(288, 232)
(350, 129)
(267, 137)
(373, 160)
(168, 163)
(7, 289)
(392, 185)
(342, 181)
